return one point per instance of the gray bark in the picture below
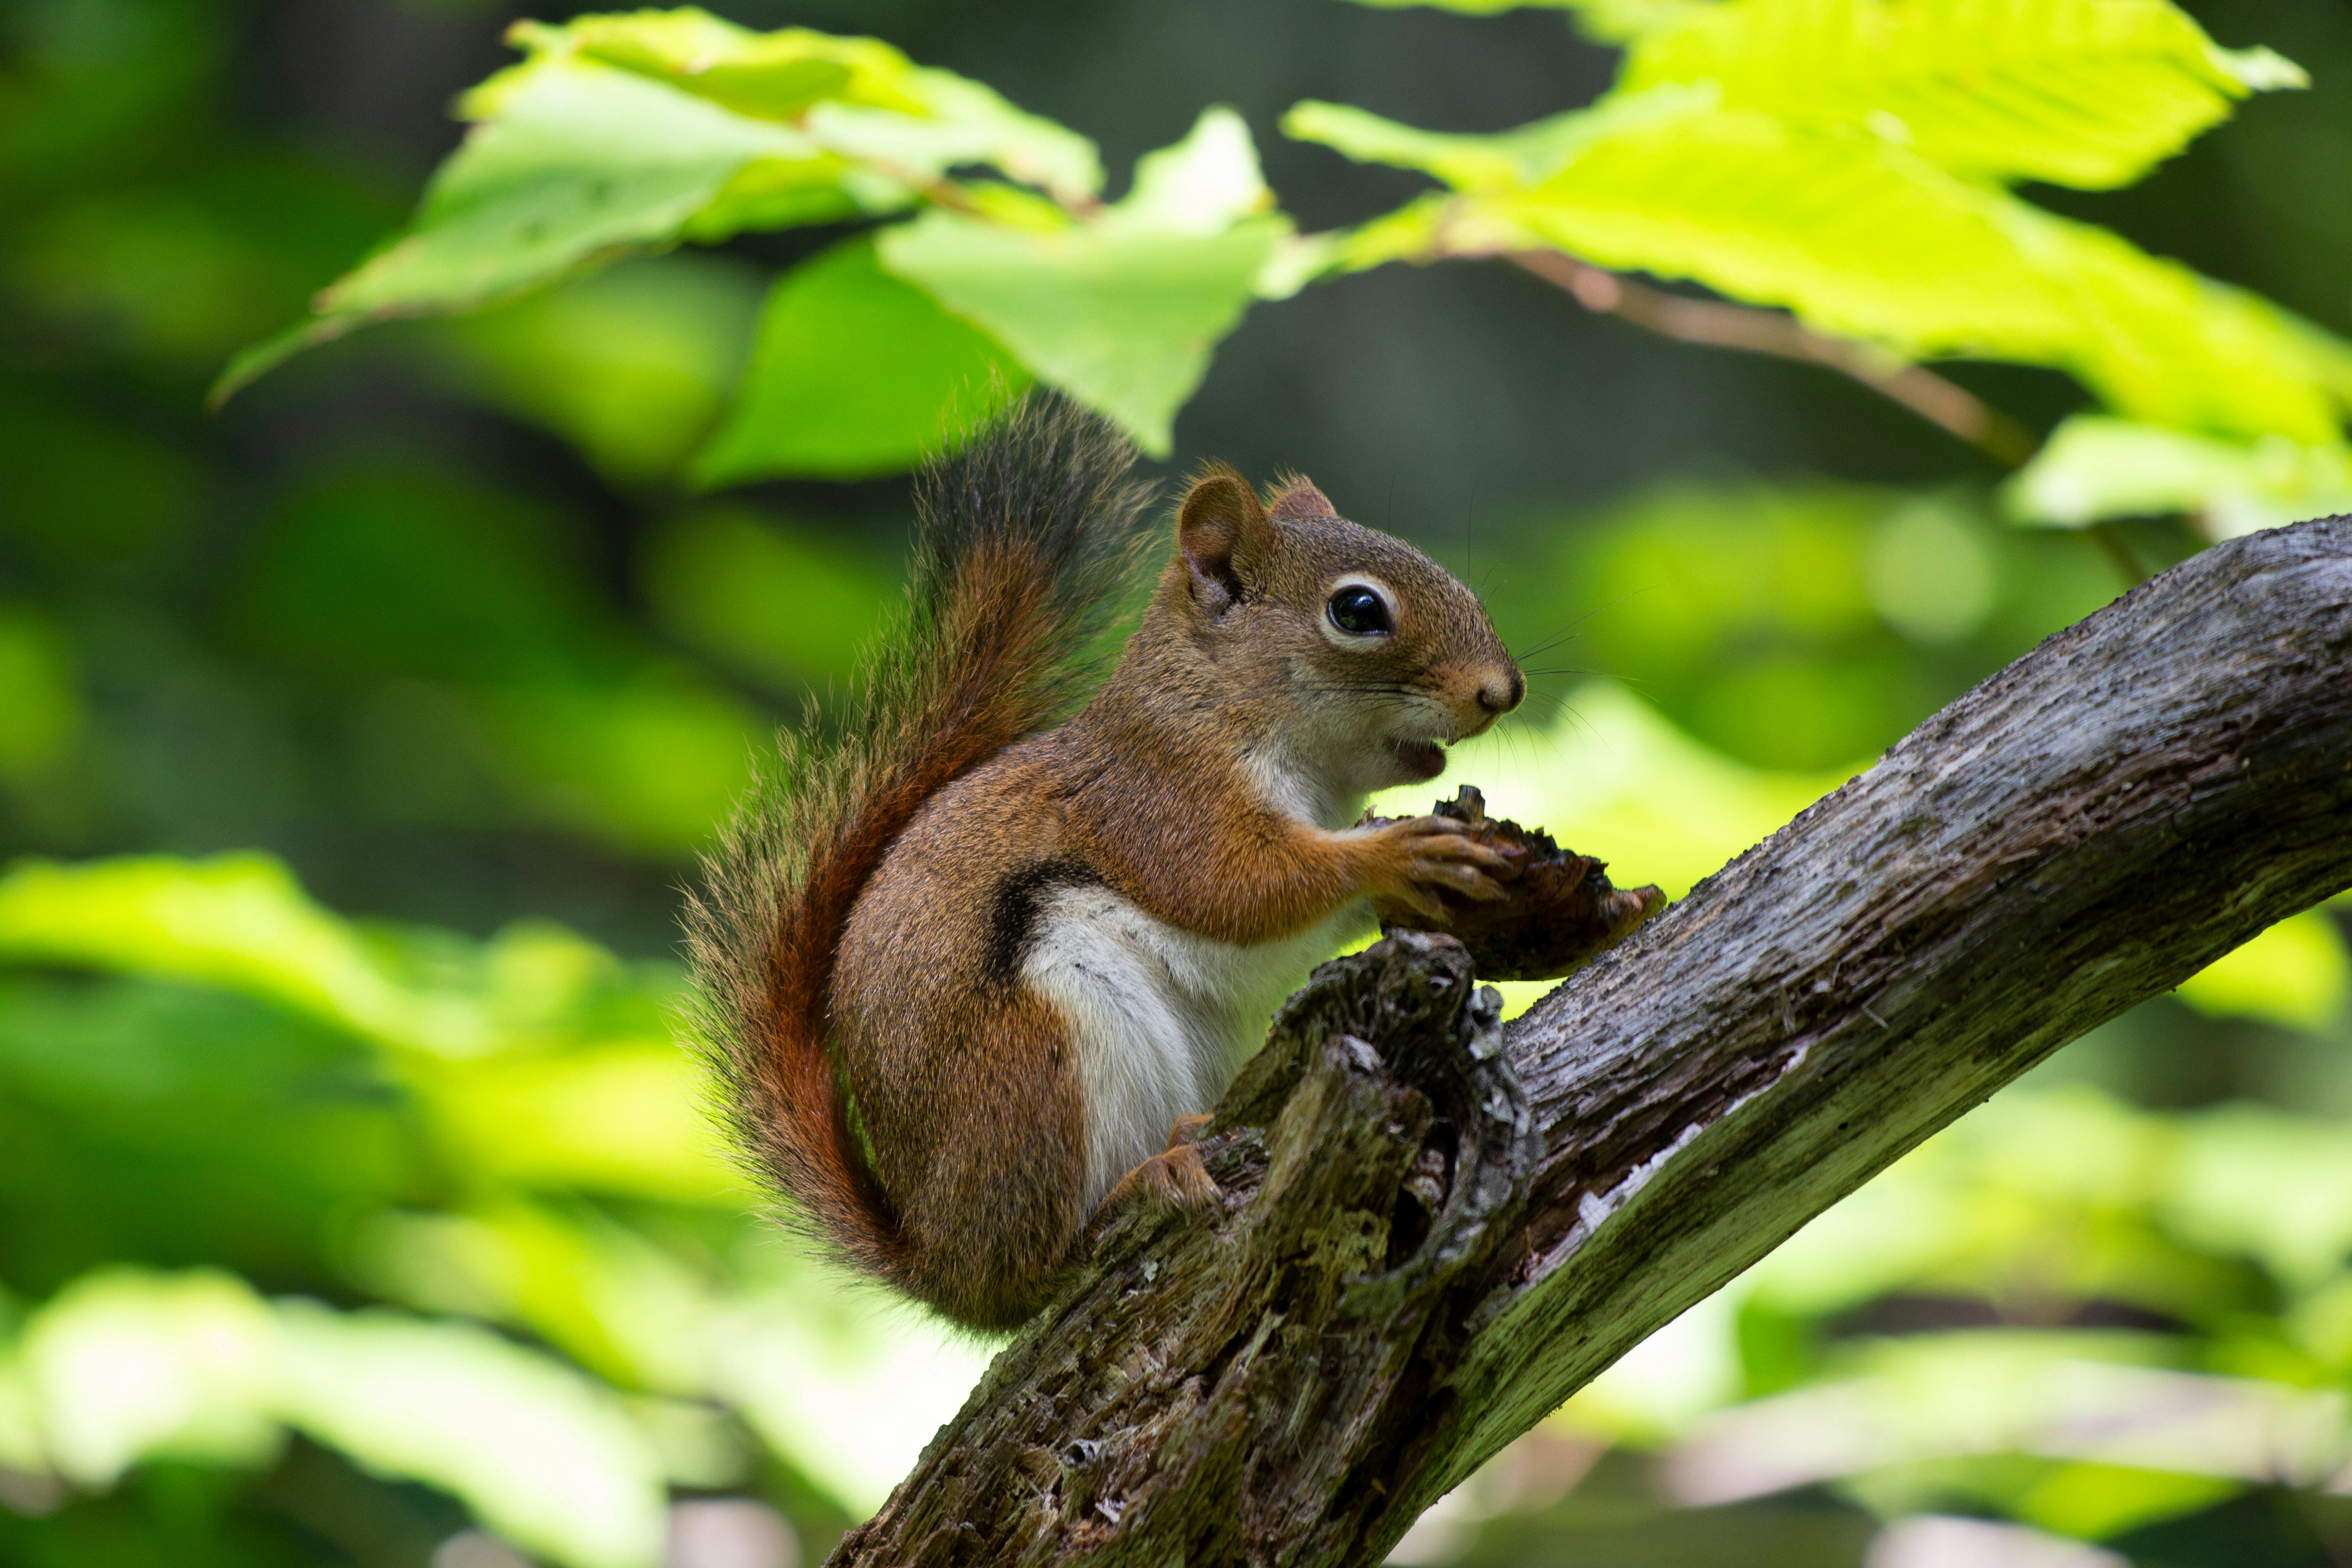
(1436, 1229)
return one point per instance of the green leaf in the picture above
(1861, 238)
(1122, 312)
(598, 1291)
(858, 97)
(238, 922)
(2090, 93)
(818, 399)
(125, 1366)
(633, 365)
(2295, 973)
(630, 132)
(584, 162)
(1609, 21)
(2093, 468)
(630, 1117)
(539, 1453)
(583, 159)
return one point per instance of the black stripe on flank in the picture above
(1013, 912)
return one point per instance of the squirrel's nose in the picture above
(1500, 694)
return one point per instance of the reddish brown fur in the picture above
(898, 939)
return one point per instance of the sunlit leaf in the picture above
(2295, 973)
(127, 1366)
(1970, 1214)
(818, 400)
(582, 161)
(853, 1401)
(1862, 239)
(242, 923)
(631, 132)
(2258, 1183)
(2077, 92)
(626, 1117)
(858, 97)
(2093, 468)
(2072, 1395)
(1121, 311)
(1609, 21)
(539, 1453)
(235, 921)
(2099, 1501)
(602, 1293)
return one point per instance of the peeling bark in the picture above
(1435, 1230)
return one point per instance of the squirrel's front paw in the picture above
(1428, 855)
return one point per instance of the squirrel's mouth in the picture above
(1421, 759)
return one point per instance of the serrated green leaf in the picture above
(2095, 469)
(768, 75)
(1861, 238)
(1607, 21)
(624, 133)
(583, 160)
(818, 400)
(2090, 93)
(1121, 312)
(858, 97)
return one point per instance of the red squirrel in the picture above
(970, 974)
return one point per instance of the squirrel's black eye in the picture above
(1359, 611)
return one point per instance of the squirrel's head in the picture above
(1375, 655)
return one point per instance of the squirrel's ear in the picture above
(1295, 499)
(1221, 529)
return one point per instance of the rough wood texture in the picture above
(1435, 1231)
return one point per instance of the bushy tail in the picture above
(1024, 541)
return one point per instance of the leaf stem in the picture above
(1721, 325)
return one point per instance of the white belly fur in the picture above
(1161, 1017)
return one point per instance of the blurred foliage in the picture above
(202, 1070)
(333, 1239)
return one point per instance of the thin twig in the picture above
(1721, 325)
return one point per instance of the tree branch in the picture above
(1436, 1229)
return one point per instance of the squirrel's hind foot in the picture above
(1174, 1178)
